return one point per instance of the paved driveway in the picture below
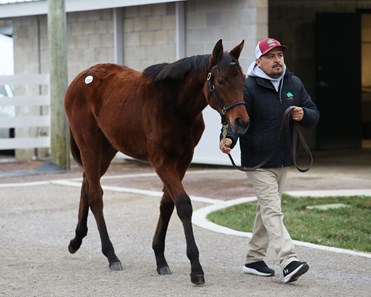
(38, 217)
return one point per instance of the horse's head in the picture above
(224, 87)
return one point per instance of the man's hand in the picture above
(225, 145)
(297, 114)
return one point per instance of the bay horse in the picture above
(154, 116)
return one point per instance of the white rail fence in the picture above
(31, 102)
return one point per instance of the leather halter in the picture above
(224, 108)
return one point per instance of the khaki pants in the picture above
(268, 226)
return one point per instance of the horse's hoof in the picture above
(71, 250)
(198, 279)
(115, 266)
(164, 270)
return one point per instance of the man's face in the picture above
(272, 62)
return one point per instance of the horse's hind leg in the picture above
(95, 162)
(158, 243)
(81, 228)
(95, 194)
(96, 205)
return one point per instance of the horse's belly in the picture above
(126, 139)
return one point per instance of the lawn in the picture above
(343, 222)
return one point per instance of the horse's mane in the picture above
(178, 69)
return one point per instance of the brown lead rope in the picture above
(297, 136)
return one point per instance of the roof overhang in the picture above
(19, 9)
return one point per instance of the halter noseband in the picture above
(224, 109)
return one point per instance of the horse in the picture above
(154, 116)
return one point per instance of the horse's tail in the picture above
(75, 151)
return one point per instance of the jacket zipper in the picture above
(280, 89)
(280, 96)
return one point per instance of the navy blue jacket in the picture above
(265, 107)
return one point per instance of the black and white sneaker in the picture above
(294, 270)
(258, 268)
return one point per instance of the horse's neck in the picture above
(192, 99)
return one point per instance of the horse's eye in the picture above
(220, 81)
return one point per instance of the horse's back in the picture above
(105, 71)
(109, 98)
(89, 88)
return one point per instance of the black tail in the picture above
(75, 151)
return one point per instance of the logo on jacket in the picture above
(290, 96)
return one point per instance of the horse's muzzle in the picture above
(240, 126)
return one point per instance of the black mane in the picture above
(179, 69)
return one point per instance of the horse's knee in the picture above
(166, 208)
(184, 206)
(95, 200)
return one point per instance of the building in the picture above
(329, 49)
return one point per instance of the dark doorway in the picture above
(366, 78)
(339, 80)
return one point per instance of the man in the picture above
(269, 90)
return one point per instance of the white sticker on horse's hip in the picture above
(88, 79)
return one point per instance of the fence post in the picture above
(58, 82)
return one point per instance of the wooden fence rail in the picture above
(22, 119)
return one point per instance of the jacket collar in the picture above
(267, 83)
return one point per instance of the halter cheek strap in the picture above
(224, 109)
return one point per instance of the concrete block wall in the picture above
(90, 39)
(233, 21)
(30, 45)
(148, 35)
(149, 30)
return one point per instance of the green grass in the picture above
(348, 227)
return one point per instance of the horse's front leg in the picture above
(173, 185)
(185, 210)
(158, 243)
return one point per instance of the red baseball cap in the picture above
(266, 45)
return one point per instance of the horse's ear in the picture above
(217, 53)
(237, 50)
